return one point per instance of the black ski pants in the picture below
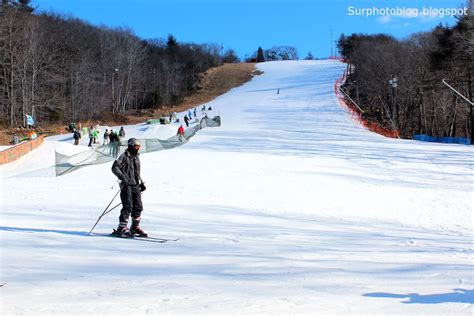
(131, 197)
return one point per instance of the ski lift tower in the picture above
(470, 108)
(394, 84)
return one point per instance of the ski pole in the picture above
(104, 212)
(113, 208)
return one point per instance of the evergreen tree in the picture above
(25, 5)
(172, 46)
(260, 57)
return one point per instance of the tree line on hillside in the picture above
(278, 53)
(274, 53)
(61, 69)
(399, 83)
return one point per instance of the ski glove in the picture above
(142, 187)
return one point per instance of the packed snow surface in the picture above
(289, 207)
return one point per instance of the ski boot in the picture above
(136, 230)
(122, 232)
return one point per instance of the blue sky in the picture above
(243, 25)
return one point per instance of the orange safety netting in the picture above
(357, 115)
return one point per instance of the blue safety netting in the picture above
(445, 140)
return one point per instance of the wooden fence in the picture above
(15, 152)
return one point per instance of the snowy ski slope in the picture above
(287, 208)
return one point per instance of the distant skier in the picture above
(195, 112)
(190, 115)
(106, 136)
(180, 133)
(95, 133)
(72, 127)
(121, 133)
(91, 135)
(15, 139)
(186, 120)
(114, 143)
(127, 169)
(77, 137)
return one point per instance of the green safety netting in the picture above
(102, 154)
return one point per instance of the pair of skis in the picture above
(149, 239)
(107, 210)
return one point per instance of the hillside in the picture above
(215, 82)
(287, 208)
(212, 83)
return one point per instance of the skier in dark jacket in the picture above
(121, 133)
(127, 169)
(114, 143)
(77, 137)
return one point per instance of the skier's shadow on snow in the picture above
(457, 296)
(38, 230)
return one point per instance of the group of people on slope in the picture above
(112, 136)
(193, 114)
(187, 118)
(109, 137)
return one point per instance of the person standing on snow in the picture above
(76, 136)
(186, 120)
(114, 143)
(91, 135)
(180, 133)
(127, 169)
(121, 133)
(15, 139)
(106, 136)
(95, 133)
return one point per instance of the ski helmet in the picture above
(133, 142)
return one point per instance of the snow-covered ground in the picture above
(287, 208)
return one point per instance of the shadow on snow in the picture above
(457, 296)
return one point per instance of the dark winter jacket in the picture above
(122, 132)
(77, 135)
(127, 168)
(113, 137)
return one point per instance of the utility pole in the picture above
(192, 49)
(470, 106)
(330, 30)
(394, 83)
(154, 86)
(357, 91)
(113, 90)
